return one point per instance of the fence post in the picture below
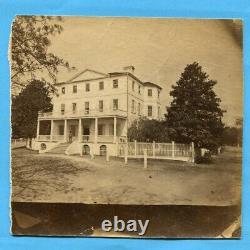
(173, 149)
(145, 158)
(107, 156)
(126, 154)
(135, 147)
(153, 149)
(192, 152)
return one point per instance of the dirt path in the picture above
(61, 178)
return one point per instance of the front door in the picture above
(72, 133)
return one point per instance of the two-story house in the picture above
(93, 110)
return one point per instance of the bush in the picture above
(206, 158)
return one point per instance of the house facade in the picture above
(93, 111)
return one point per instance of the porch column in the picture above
(80, 130)
(51, 130)
(96, 129)
(65, 130)
(115, 122)
(37, 129)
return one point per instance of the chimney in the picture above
(129, 69)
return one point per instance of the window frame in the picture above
(100, 107)
(101, 83)
(150, 106)
(150, 91)
(63, 106)
(87, 87)
(115, 107)
(115, 84)
(63, 90)
(74, 107)
(86, 110)
(74, 90)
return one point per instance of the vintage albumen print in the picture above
(126, 127)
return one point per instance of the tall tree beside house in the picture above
(195, 114)
(30, 41)
(25, 106)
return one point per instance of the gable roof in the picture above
(98, 75)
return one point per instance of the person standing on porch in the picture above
(70, 136)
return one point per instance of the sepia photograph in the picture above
(126, 127)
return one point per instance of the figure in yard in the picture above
(70, 136)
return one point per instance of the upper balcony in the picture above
(82, 114)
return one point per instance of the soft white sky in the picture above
(159, 49)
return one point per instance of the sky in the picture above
(159, 49)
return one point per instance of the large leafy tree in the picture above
(195, 114)
(25, 106)
(145, 130)
(30, 41)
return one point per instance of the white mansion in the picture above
(93, 110)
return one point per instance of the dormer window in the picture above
(75, 89)
(115, 83)
(63, 90)
(133, 85)
(139, 89)
(87, 87)
(150, 93)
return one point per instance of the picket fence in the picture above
(174, 151)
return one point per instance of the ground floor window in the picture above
(103, 150)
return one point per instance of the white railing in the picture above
(175, 151)
(44, 137)
(57, 137)
(83, 113)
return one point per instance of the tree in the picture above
(195, 114)
(145, 130)
(30, 41)
(25, 106)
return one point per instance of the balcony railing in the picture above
(83, 113)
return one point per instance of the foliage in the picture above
(29, 48)
(33, 98)
(145, 130)
(195, 113)
(232, 136)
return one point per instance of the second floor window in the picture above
(150, 110)
(74, 107)
(133, 106)
(139, 108)
(115, 83)
(87, 87)
(100, 129)
(101, 106)
(139, 89)
(63, 90)
(150, 92)
(101, 85)
(133, 85)
(115, 104)
(86, 108)
(75, 89)
(62, 108)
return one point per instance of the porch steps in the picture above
(59, 149)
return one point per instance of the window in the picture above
(149, 92)
(150, 111)
(139, 89)
(133, 106)
(101, 106)
(133, 85)
(115, 104)
(100, 129)
(86, 108)
(75, 89)
(62, 108)
(63, 90)
(87, 87)
(158, 93)
(101, 85)
(139, 108)
(74, 107)
(61, 129)
(115, 83)
(159, 110)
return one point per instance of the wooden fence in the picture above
(174, 151)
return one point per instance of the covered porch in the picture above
(92, 130)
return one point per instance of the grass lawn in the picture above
(74, 179)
